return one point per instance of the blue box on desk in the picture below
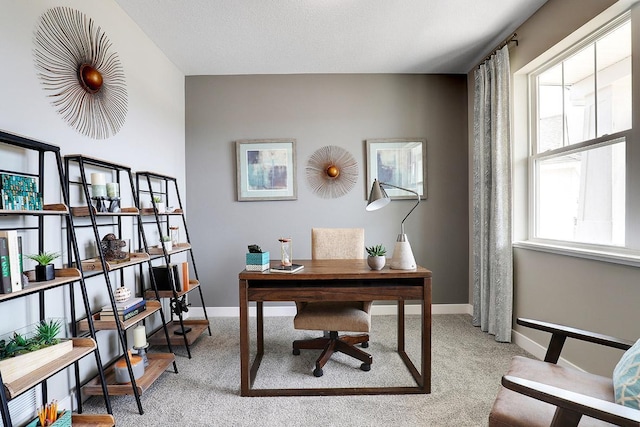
(257, 261)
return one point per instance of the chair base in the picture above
(333, 344)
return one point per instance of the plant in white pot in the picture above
(376, 259)
(160, 206)
(166, 242)
(45, 270)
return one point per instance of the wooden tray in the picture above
(81, 347)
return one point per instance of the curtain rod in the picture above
(511, 39)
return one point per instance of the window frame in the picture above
(629, 253)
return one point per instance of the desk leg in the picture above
(401, 326)
(426, 336)
(245, 384)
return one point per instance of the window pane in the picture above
(579, 86)
(581, 196)
(614, 81)
(550, 109)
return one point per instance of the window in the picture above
(581, 115)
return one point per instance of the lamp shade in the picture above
(378, 198)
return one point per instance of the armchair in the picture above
(542, 393)
(335, 243)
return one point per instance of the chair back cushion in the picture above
(626, 378)
(337, 243)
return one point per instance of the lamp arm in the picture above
(415, 206)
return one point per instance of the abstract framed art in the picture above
(398, 161)
(266, 169)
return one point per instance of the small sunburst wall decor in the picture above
(331, 172)
(80, 72)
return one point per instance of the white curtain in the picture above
(492, 255)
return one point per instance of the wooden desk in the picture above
(335, 280)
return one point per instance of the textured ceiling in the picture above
(215, 37)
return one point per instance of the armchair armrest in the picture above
(561, 332)
(571, 406)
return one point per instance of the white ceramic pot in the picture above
(167, 245)
(160, 207)
(376, 262)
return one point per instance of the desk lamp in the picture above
(402, 258)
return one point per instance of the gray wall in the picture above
(320, 110)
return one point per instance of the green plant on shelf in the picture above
(377, 250)
(165, 239)
(43, 258)
(45, 335)
(157, 199)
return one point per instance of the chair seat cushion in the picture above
(333, 316)
(515, 409)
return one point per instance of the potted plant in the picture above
(166, 242)
(21, 353)
(376, 258)
(160, 207)
(45, 269)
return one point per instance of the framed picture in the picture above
(398, 161)
(266, 169)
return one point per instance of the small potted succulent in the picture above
(376, 258)
(160, 206)
(166, 242)
(45, 270)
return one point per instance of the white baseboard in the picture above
(377, 309)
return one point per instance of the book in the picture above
(286, 268)
(163, 277)
(5, 271)
(125, 304)
(14, 259)
(109, 309)
(123, 317)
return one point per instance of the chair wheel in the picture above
(365, 344)
(317, 372)
(296, 352)
(365, 367)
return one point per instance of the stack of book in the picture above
(126, 309)
(11, 268)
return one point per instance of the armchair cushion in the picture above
(626, 378)
(514, 409)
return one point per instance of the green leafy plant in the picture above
(157, 199)
(165, 239)
(377, 250)
(44, 336)
(43, 258)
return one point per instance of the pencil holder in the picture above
(64, 420)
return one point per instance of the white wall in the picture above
(152, 137)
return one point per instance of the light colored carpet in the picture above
(466, 369)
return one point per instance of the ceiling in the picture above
(218, 37)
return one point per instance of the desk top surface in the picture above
(334, 269)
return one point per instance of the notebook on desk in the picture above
(286, 268)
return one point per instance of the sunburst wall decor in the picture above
(331, 172)
(80, 72)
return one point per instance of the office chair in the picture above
(352, 316)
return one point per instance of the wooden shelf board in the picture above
(180, 247)
(101, 325)
(92, 420)
(151, 211)
(158, 363)
(94, 264)
(198, 326)
(63, 276)
(193, 284)
(83, 211)
(51, 209)
(81, 347)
